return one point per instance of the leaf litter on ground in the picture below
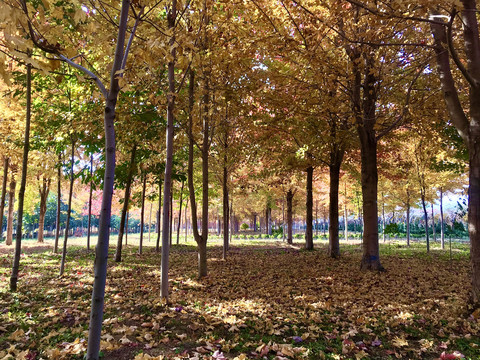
(262, 302)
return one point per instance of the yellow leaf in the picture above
(17, 335)
(399, 342)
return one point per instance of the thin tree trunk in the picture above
(226, 203)
(142, 215)
(231, 217)
(69, 211)
(383, 218)
(408, 218)
(118, 251)
(59, 203)
(171, 217)
(171, 17)
(6, 163)
(11, 208)
(157, 247)
(309, 204)
(425, 215)
(101, 253)
(180, 212)
(43, 191)
(333, 227)
(255, 228)
(442, 223)
(290, 216)
(150, 221)
(316, 217)
(433, 224)
(283, 219)
(126, 228)
(186, 220)
(345, 214)
(90, 204)
(23, 181)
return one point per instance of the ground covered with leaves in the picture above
(266, 301)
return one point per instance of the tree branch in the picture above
(454, 53)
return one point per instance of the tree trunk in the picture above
(11, 208)
(142, 214)
(171, 17)
(226, 203)
(371, 254)
(474, 207)
(333, 228)
(383, 218)
(425, 216)
(171, 217)
(43, 191)
(316, 217)
(202, 247)
(345, 215)
(255, 228)
(290, 216)
(126, 228)
(186, 220)
(180, 213)
(23, 181)
(6, 163)
(118, 251)
(69, 211)
(309, 204)
(467, 128)
(101, 253)
(89, 226)
(408, 218)
(442, 223)
(59, 203)
(150, 221)
(283, 220)
(433, 224)
(157, 247)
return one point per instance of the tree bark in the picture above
(69, 211)
(157, 247)
(59, 203)
(180, 213)
(345, 214)
(90, 204)
(11, 208)
(142, 214)
(433, 224)
(23, 181)
(226, 203)
(101, 253)
(366, 119)
(309, 204)
(150, 221)
(6, 162)
(442, 223)
(131, 169)
(290, 216)
(171, 17)
(43, 191)
(425, 216)
(171, 218)
(333, 239)
(408, 218)
(383, 217)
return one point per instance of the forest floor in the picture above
(267, 300)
